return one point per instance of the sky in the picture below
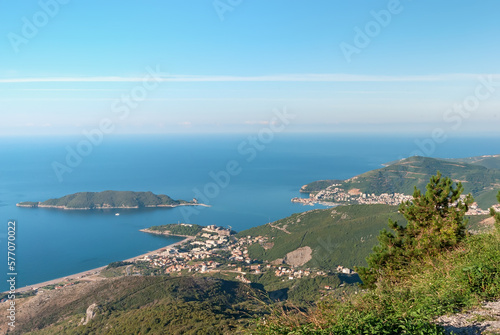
(205, 66)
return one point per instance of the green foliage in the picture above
(365, 322)
(179, 229)
(90, 200)
(435, 223)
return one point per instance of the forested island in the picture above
(110, 200)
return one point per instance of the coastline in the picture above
(93, 274)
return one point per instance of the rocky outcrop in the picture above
(299, 257)
(91, 314)
(485, 320)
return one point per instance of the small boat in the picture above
(117, 214)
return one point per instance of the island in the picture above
(110, 200)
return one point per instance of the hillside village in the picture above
(333, 195)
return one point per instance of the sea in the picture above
(247, 180)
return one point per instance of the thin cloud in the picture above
(264, 123)
(67, 89)
(267, 78)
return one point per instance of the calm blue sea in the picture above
(54, 243)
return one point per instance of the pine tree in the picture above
(435, 221)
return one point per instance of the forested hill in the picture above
(479, 176)
(109, 199)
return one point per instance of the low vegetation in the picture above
(153, 305)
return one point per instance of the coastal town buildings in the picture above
(198, 254)
(333, 195)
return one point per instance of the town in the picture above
(334, 195)
(216, 249)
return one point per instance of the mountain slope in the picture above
(140, 305)
(403, 175)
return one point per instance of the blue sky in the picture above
(227, 64)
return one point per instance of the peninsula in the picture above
(395, 182)
(110, 200)
(175, 229)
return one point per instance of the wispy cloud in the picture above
(67, 89)
(332, 77)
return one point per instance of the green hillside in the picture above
(342, 235)
(152, 305)
(488, 161)
(402, 176)
(108, 199)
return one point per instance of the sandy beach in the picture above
(93, 274)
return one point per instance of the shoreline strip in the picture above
(86, 274)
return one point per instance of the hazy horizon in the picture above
(172, 67)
